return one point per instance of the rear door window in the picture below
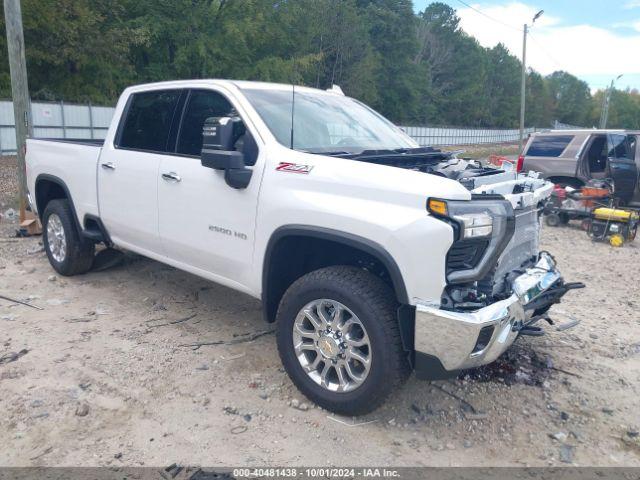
(548, 145)
(148, 120)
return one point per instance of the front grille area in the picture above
(465, 254)
(522, 250)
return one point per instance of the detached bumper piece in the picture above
(449, 341)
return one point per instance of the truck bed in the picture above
(74, 161)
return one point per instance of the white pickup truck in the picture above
(374, 256)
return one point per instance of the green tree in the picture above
(503, 87)
(571, 98)
(539, 108)
(391, 24)
(76, 49)
(414, 68)
(455, 69)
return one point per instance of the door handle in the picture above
(171, 177)
(108, 166)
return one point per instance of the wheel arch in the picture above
(49, 187)
(277, 275)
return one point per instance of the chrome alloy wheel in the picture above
(332, 345)
(56, 238)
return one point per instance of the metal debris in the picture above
(242, 339)
(13, 356)
(4, 297)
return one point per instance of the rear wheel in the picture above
(68, 253)
(339, 339)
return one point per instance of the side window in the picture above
(619, 147)
(632, 139)
(201, 105)
(148, 120)
(548, 145)
(597, 154)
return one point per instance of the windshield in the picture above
(326, 123)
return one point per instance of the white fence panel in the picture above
(56, 120)
(446, 136)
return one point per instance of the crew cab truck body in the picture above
(373, 255)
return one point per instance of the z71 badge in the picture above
(294, 168)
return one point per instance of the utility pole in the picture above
(523, 81)
(606, 101)
(19, 91)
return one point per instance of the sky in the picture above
(595, 40)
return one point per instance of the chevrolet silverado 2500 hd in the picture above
(372, 255)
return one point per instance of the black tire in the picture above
(553, 220)
(368, 297)
(79, 251)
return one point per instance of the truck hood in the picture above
(339, 175)
(522, 190)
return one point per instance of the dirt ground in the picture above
(105, 374)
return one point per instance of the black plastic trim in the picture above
(61, 184)
(98, 143)
(428, 367)
(407, 322)
(103, 234)
(348, 239)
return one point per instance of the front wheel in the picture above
(68, 253)
(552, 220)
(339, 339)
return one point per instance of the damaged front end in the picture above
(499, 284)
(448, 341)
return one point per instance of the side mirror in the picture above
(218, 137)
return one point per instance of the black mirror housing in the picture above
(238, 178)
(219, 135)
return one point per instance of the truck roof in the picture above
(241, 84)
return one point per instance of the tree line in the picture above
(416, 69)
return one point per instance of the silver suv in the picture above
(573, 157)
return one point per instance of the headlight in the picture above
(488, 218)
(472, 219)
(475, 224)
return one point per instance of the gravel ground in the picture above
(107, 374)
(8, 183)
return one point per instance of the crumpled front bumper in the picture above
(448, 341)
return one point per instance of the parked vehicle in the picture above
(573, 157)
(373, 255)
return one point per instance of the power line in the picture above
(489, 16)
(549, 56)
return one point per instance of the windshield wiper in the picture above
(338, 153)
(401, 153)
(385, 153)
